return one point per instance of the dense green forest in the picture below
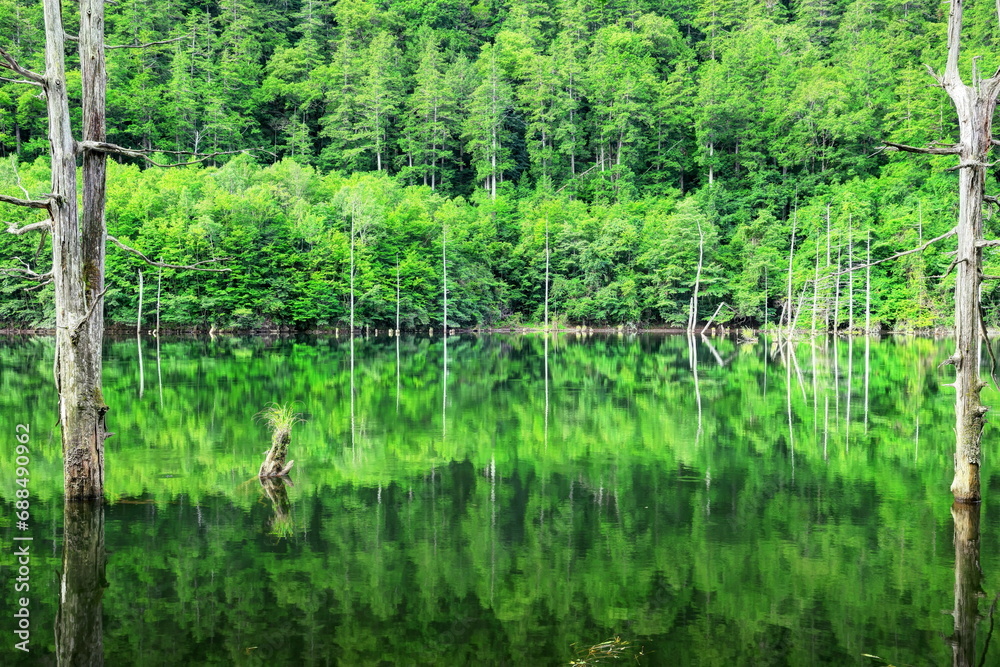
(652, 152)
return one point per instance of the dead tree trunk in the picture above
(274, 459)
(78, 254)
(974, 106)
(78, 238)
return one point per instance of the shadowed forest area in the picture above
(643, 155)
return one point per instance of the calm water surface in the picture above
(507, 501)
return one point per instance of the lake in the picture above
(507, 500)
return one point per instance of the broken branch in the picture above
(942, 149)
(90, 311)
(44, 226)
(7, 61)
(195, 267)
(30, 83)
(921, 248)
(114, 149)
(31, 203)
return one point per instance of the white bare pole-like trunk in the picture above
(159, 281)
(693, 314)
(546, 273)
(850, 275)
(975, 104)
(815, 308)
(353, 207)
(868, 284)
(444, 279)
(787, 314)
(829, 295)
(138, 318)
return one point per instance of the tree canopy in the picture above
(615, 127)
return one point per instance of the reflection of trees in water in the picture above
(79, 629)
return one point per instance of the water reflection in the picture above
(79, 631)
(560, 492)
(968, 585)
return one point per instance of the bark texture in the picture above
(78, 253)
(974, 106)
(274, 459)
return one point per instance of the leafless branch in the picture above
(989, 277)
(38, 286)
(951, 267)
(580, 175)
(43, 226)
(196, 266)
(921, 248)
(90, 311)
(971, 163)
(114, 149)
(31, 203)
(27, 271)
(990, 243)
(937, 77)
(7, 61)
(934, 149)
(30, 83)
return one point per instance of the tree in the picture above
(975, 105)
(485, 128)
(78, 243)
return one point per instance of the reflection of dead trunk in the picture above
(79, 630)
(276, 491)
(968, 588)
(274, 461)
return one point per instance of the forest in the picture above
(621, 162)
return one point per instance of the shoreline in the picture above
(120, 332)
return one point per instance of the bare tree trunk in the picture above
(444, 280)
(78, 258)
(975, 106)
(138, 318)
(546, 327)
(787, 314)
(693, 315)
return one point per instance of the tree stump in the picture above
(274, 459)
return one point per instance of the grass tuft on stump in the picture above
(279, 419)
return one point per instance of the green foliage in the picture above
(628, 114)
